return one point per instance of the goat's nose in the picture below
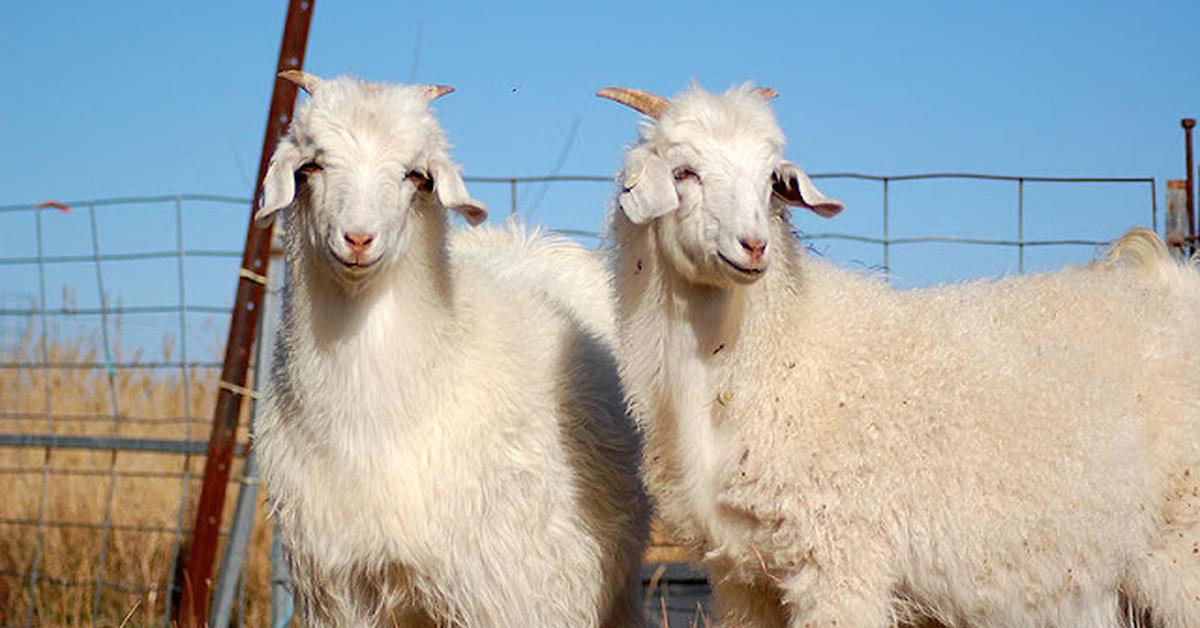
(754, 247)
(358, 241)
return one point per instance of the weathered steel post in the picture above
(1177, 224)
(1188, 124)
(193, 608)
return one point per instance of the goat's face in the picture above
(358, 163)
(708, 175)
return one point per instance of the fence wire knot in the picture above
(239, 390)
(246, 273)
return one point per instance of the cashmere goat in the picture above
(1018, 453)
(444, 439)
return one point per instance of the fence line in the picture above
(53, 427)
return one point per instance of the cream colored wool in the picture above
(443, 438)
(1018, 453)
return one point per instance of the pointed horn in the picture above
(766, 93)
(301, 79)
(645, 102)
(437, 91)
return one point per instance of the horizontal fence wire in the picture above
(102, 399)
(87, 418)
(16, 471)
(64, 582)
(950, 240)
(115, 310)
(108, 443)
(117, 257)
(886, 180)
(109, 365)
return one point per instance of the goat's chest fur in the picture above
(362, 481)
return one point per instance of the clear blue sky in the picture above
(139, 97)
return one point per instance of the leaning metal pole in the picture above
(192, 611)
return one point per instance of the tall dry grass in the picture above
(72, 493)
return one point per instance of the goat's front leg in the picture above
(740, 605)
(857, 594)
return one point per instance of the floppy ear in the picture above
(279, 185)
(452, 192)
(794, 187)
(649, 189)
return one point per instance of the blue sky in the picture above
(139, 97)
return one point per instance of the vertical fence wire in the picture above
(1153, 206)
(106, 530)
(887, 266)
(1021, 226)
(44, 482)
(186, 381)
(512, 197)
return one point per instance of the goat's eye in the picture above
(684, 173)
(309, 168)
(419, 179)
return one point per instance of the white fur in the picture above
(1020, 453)
(443, 437)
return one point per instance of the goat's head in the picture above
(708, 170)
(357, 162)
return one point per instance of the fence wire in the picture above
(101, 433)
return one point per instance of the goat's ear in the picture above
(452, 192)
(648, 188)
(279, 185)
(793, 187)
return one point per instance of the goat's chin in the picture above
(737, 274)
(719, 275)
(353, 279)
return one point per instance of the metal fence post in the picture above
(1177, 217)
(243, 517)
(193, 607)
(1188, 124)
(281, 583)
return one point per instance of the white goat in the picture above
(1017, 453)
(444, 437)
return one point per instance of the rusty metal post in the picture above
(1177, 225)
(1188, 124)
(193, 608)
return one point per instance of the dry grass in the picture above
(78, 490)
(149, 404)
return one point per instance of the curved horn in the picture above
(301, 79)
(766, 93)
(436, 91)
(645, 102)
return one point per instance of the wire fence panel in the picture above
(108, 364)
(113, 313)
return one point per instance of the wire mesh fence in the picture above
(113, 311)
(104, 405)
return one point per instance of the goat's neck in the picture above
(676, 339)
(711, 317)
